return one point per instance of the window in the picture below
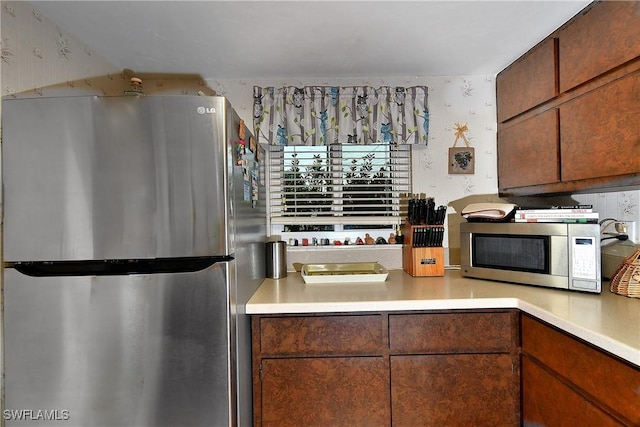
(338, 190)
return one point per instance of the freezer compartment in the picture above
(116, 177)
(135, 350)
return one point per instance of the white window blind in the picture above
(338, 184)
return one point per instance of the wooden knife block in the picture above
(421, 261)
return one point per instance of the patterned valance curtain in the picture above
(324, 115)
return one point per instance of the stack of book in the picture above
(564, 214)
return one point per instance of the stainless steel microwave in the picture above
(565, 256)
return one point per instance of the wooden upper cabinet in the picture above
(528, 152)
(600, 131)
(579, 90)
(602, 37)
(528, 82)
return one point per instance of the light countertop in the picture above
(606, 320)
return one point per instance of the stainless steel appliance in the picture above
(134, 234)
(565, 256)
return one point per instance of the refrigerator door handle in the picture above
(116, 267)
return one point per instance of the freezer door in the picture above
(139, 350)
(115, 177)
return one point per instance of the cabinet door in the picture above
(455, 390)
(324, 392)
(546, 401)
(600, 39)
(600, 131)
(528, 82)
(528, 152)
(610, 383)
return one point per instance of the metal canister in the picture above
(276, 259)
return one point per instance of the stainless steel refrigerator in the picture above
(134, 233)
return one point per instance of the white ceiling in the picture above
(307, 39)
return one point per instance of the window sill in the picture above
(291, 248)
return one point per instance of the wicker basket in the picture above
(626, 279)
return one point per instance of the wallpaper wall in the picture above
(41, 59)
(37, 54)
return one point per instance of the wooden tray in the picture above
(349, 272)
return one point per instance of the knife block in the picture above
(420, 261)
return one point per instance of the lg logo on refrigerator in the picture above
(205, 110)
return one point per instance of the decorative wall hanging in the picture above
(461, 159)
(323, 115)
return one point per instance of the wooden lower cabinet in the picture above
(454, 390)
(447, 368)
(566, 381)
(547, 401)
(387, 369)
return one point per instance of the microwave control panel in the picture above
(584, 264)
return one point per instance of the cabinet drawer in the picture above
(528, 82)
(598, 40)
(453, 333)
(611, 382)
(322, 335)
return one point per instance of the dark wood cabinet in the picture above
(321, 335)
(529, 151)
(548, 401)
(454, 369)
(465, 332)
(531, 80)
(603, 36)
(454, 390)
(402, 369)
(324, 391)
(568, 382)
(600, 132)
(320, 370)
(581, 137)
